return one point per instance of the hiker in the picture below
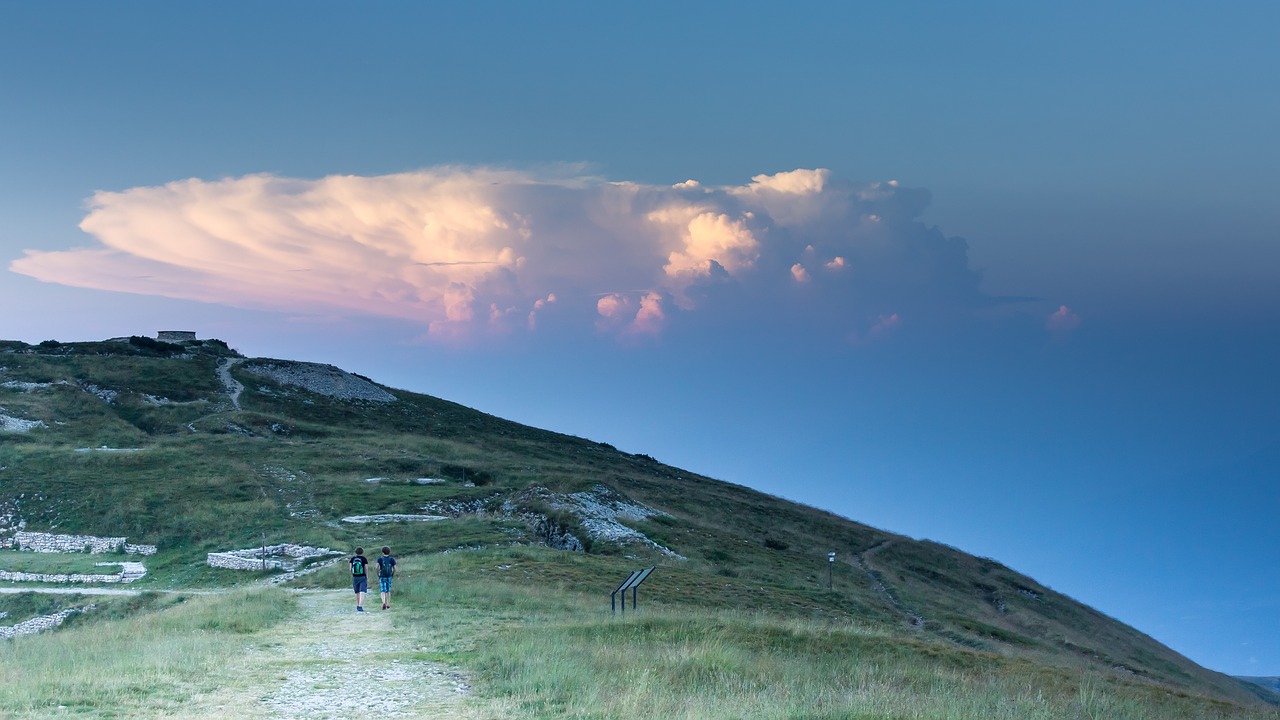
(360, 577)
(386, 571)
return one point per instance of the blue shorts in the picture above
(385, 584)
(360, 583)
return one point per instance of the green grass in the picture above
(24, 606)
(290, 464)
(151, 661)
(540, 653)
(64, 563)
(533, 631)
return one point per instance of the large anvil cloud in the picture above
(473, 251)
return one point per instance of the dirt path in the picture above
(233, 386)
(331, 662)
(77, 590)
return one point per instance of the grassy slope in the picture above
(290, 463)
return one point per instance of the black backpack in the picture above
(357, 566)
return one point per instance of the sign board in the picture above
(631, 583)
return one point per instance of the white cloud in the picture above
(473, 251)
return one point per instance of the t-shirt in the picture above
(386, 566)
(359, 566)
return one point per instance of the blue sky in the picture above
(1049, 340)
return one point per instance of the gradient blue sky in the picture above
(1113, 163)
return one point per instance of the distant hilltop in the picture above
(167, 343)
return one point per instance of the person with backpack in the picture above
(360, 577)
(386, 571)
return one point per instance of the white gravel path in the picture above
(233, 386)
(337, 663)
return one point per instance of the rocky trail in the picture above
(328, 661)
(233, 386)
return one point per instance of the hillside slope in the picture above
(194, 449)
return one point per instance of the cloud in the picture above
(882, 327)
(1062, 321)
(467, 252)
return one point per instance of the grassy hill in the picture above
(148, 440)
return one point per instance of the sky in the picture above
(1001, 275)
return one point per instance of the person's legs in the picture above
(361, 587)
(386, 592)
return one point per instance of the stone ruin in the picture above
(44, 622)
(38, 542)
(285, 556)
(129, 571)
(175, 335)
(50, 543)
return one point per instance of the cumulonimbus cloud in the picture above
(467, 251)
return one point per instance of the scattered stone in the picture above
(321, 379)
(601, 511)
(13, 424)
(375, 480)
(25, 386)
(234, 428)
(457, 508)
(296, 489)
(38, 624)
(375, 519)
(106, 449)
(104, 394)
(430, 481)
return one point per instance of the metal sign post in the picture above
(632, 583)
(831, 563)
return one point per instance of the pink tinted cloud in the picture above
(468, 252)
(1062, 321)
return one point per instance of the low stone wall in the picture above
(50, 543)
(37, 624)
(128, 573)
(278, 557)
(315, 567)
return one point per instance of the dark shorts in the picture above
(360, 583)
(384, 583)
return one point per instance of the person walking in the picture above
(360, 577)
(386, 571)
